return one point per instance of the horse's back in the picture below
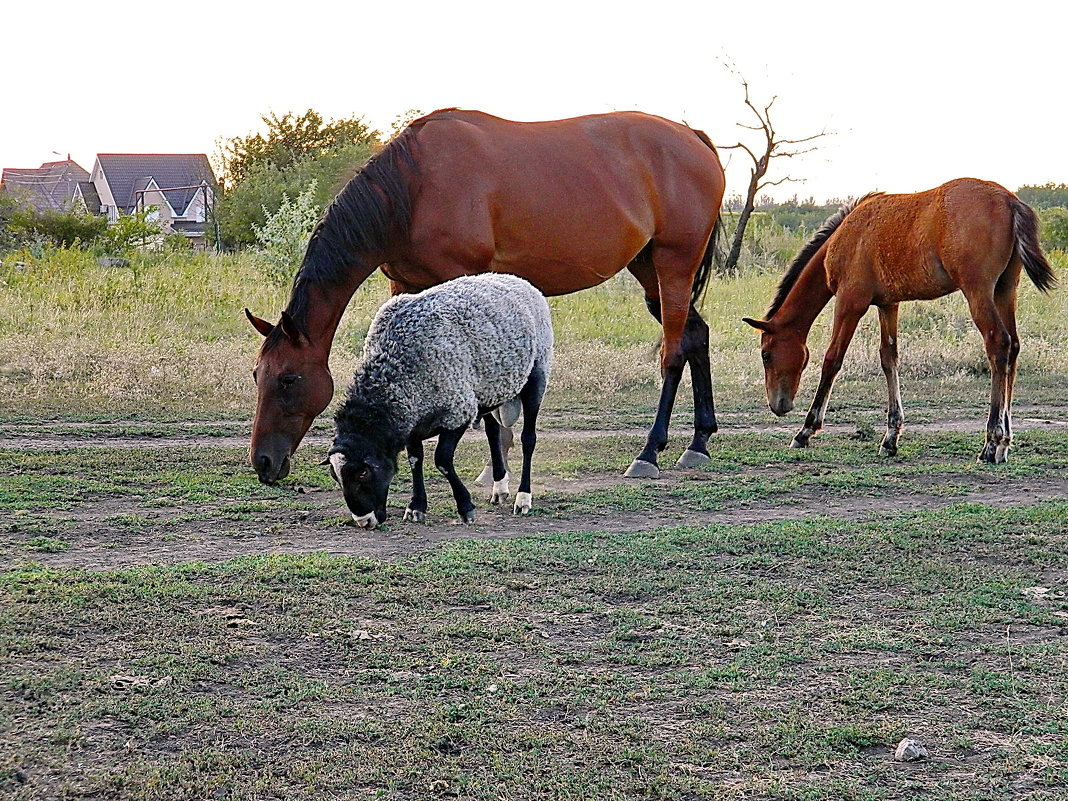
(562, 203)
(923, 245)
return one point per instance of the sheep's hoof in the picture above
(523, 502)
(467, 517)
(692, 459)
(640, 468)
(415, 515)
(501, 491)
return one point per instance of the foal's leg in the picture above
(416, 510)
(499, 471)
(999, 350)
(531, 396)
(1005, 299)
(895, 414)
(447, 442)
(847, 314)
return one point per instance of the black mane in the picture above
(793, 272)
(368, 214)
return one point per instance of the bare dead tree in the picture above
(774, 147)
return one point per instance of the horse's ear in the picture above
(759, 325)
(289, 328)
(262, 326)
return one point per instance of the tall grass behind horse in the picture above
(564, 204)
(967, 234)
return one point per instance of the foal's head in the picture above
(785, 356)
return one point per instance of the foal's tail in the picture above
(1025, 232)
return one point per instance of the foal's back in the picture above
(923, 245)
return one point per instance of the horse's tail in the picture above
(1025, 234)
(713, 256)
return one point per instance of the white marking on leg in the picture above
(501, 490)
(523, 502)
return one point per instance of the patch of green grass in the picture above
(47, 545)
(680, 662)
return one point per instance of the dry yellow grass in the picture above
(168, 335)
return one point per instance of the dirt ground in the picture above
(97, 543)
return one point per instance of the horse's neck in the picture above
(806, 299)
(318, 305)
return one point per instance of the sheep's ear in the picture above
(260, 325)
(759, 325)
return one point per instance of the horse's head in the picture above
(785, 356)
(293, 385)
(364, 470)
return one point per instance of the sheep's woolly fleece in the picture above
(437, 356)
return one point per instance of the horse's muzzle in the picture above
(271, 470)
(780, 406)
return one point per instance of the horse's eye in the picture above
(765, 355)
(289, 379)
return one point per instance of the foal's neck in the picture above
(808, 297)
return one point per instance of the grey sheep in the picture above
(433, 364)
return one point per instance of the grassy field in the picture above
(767, 627)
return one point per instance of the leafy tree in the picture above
(1054, 222)
(64, 228)
(1046, 196)
(284, 236)
(250, 202)
(291, 139)
(128, 233)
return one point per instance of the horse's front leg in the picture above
(416, 510)
(895, 413)
(443, 459)
(847, 315)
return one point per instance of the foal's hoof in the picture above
(467, 518)
(523, 502)
(692, 459)
(640, 468)
(415, 515)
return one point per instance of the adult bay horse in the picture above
(564, 204)
(967, 234)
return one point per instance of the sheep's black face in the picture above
(364, 478)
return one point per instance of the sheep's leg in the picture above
(416, 510)
(507, 438)
(531, 396)
(443, 455)
(499, 469)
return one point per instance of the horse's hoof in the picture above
(640, 468)
(523, 502)
(693, 459)
(467, 518)
(887, 450)
(1001, 455)
(415, 515)
(798, 443)
(485, 478)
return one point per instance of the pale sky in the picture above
(916, 93)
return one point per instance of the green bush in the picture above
(63, 228)
(1054, 228)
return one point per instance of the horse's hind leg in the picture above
(1001, 347)
(507, 438)
(1005, 300)
(667, 296)
(531, 397)
(895, 414)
